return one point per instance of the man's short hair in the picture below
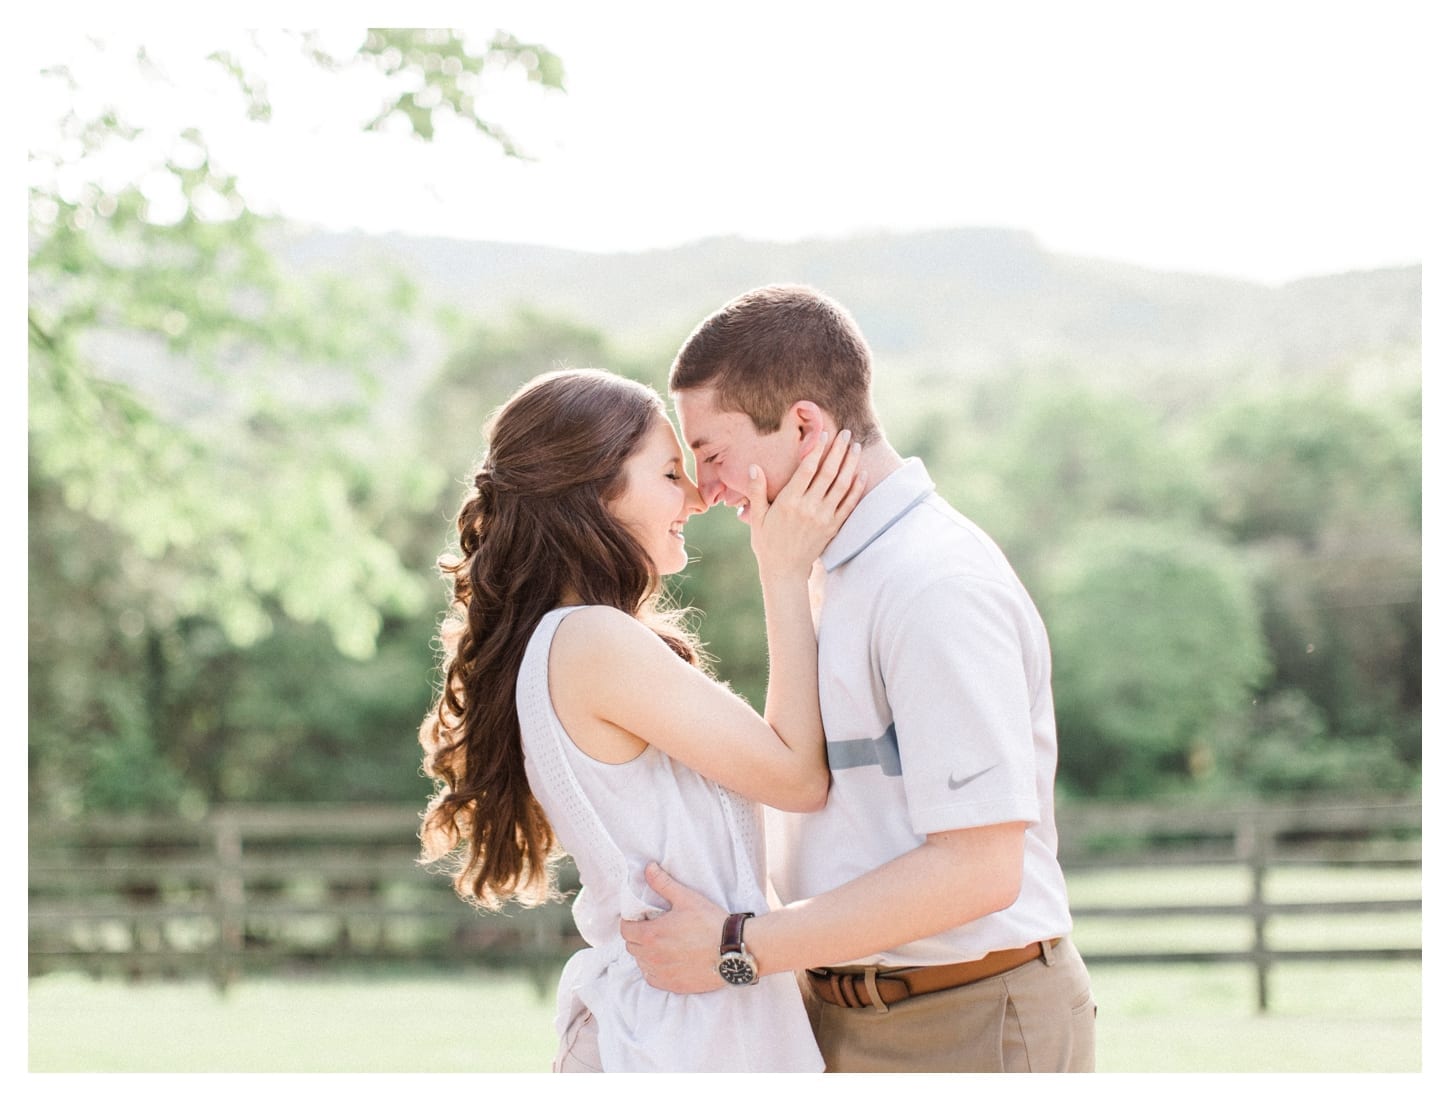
(774, 346)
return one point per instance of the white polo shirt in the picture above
(935, 681)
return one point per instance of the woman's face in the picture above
(658, 498)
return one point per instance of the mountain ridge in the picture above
(954, 301)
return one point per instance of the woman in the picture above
(574, 715)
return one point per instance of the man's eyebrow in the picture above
(696, 444)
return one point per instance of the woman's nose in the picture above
(694, 499)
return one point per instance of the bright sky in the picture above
(1262, 140)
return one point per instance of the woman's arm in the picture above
(787, 536)
(610, 667)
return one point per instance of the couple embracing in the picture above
(914, 916)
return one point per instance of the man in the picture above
(924, 909)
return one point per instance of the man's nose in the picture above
(712, 490)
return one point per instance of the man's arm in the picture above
(951, 879)
(962, 634)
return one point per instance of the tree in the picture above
(488, 364)
(1284, 746)
(1295, 465)
(1324, 489)
(231, 485)
(1032, 461)
(1156, 649)
(237, 458)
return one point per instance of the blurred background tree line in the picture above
(235, 508)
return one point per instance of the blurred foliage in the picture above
(1157, 646)
(487, 365)
(232, 582)
(437, 73)
(1285, 745)
(232, 490)
(1301, 465)
(1323, 491)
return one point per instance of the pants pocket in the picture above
(1084, 1034)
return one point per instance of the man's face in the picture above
(726, 444)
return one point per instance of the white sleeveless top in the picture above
(613, 820)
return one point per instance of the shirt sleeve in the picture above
(957, 685)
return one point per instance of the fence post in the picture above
(230, 899)
(1254, 842)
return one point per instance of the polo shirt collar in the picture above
(891, 499)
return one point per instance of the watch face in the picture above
(737, 969)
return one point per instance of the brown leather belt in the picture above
(854, 989)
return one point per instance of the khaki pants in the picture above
(1037, 1017)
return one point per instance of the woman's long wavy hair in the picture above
(534, 531)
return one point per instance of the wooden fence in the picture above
(248, 889)
(252, 888)
(1372, 833)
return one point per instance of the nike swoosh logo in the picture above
(955, 785)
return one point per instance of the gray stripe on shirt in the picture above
(864, 752)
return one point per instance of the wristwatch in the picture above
(736, 966)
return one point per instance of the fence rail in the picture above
(1371, 833)
(249, 888)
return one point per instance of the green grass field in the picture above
(1323, 1017)
(1341, 1017)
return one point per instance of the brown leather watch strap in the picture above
(732, 936)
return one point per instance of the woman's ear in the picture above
(806, 419)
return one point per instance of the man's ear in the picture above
(805, 419)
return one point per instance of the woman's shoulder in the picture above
(599, 657)
(595, 619)
(597, 633)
